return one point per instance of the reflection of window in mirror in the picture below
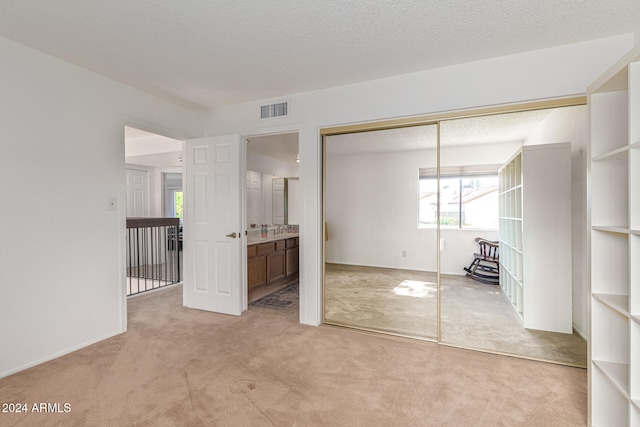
(172, 183)
(285, 201)
(469, 202)
(279, 191)
(293, 201)
(177, 203)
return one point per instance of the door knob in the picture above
(232, 235)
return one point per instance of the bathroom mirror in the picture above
(272, 159)
(285, 201)
(272, 200)
(279, 190)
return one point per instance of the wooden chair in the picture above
(485, 267)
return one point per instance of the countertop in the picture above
(254, 240)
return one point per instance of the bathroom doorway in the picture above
(273, 208)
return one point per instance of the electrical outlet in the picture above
(404, 254)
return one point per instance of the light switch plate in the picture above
(112, 203)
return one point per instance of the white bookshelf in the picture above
(615, 254)
(510, 223)
(535, 236)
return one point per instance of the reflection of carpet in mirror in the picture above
(398, 301)
(283, 302)
(474, 315)
(416, 289)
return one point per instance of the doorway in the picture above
(153, 165)
(272, 205)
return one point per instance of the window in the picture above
(173, 203)
(178, 203)
(465, 201)
(172, 183)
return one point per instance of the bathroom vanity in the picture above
(272, 263)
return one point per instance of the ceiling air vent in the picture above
(274, 110)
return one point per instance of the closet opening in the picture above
(406, 203)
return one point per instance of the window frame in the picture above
(459, 174)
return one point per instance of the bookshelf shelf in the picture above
(615, 254)
(539, 174)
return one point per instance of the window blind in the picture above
(460, 171)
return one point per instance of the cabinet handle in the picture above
(232, 235)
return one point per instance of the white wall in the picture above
(62, 261)
(268, 165)
(571, 125)
(550, 73)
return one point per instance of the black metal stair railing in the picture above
(154, 248)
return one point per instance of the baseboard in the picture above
(395, 267)
(150, 291)
(56, 355)
(579, 332)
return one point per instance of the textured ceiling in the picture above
(206, 54)
(499, 128)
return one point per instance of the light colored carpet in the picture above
(473, 314)
(182, 367)
(136, 285)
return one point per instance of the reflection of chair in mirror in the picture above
(485, 268)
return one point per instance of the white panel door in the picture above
(254, 196)
(278, 201)
(212, 231)
(138, 200)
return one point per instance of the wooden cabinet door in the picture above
(275, 266)
(292, 261)
(257, 272)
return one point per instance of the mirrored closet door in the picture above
(507, 284)
(472, 235)
(380, 252)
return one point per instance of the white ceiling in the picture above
(205, 54)
(148, 149)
